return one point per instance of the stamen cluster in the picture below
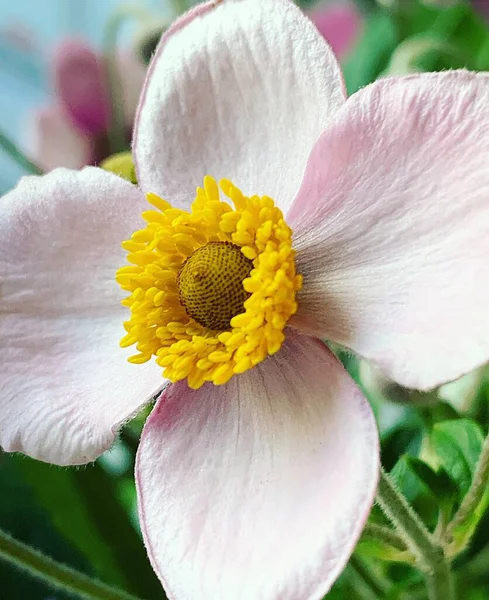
(159, 324)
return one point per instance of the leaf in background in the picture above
(57, 491)
(459, 25)
(83, 506)
(458, 445)
(416, 491)
(439, 483)
(98, 490)
(22, 517)
(405, 438)
(407, 481)
(372, 52)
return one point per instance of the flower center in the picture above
(210, 284)
(210, 290)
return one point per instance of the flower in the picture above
(257, 487)
(340, 24)
(73, 132)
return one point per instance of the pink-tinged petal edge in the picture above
(391, 228)
(66, 384)
(82, 88)
(56, 142)
(259, 488)
(239, 89)
(339, 24)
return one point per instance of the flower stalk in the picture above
(54, 574)
(384, 535)
(17, 155)
(430, 556)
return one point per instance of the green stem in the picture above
(384, 535)
(17, 155)
(474, 495)
(429, 555)
(54, 574)
(440, 583)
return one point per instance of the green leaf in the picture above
(459, 25)
(406, 479)
(84, 507)
(439, 483)
(57, 491)
(458, 445)
(101, 495)
(23, 517)
(372, 51)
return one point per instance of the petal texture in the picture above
(391, 227)
(56, 142)
(238, 89)
(66, 385)
(81, 85)
(260, 488)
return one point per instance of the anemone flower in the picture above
(360, 220)
(73, 131)
(339, 23)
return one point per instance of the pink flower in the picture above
(258, 487)
(73, 132)
(340, 24)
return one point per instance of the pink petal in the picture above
(238, 89)
(259, 488)
(391, 227)
(82, 86)
(55, 142)
(66, 385)
(340, 24)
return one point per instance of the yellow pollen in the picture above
(210, 290)
(210, 284)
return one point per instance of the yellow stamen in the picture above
(211, 290)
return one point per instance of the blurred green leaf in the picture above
(458, 444)
(372, 52)
(438, 482)
(59, 494)
(99, 491)
(23, 517)
(84, 508)
(460, 26)
(405, 438)
(406, 479)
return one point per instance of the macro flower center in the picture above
(210, 290)
(210, 284)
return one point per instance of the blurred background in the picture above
(60, 61)
(30, 32)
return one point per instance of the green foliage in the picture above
(457, 444)
(372, 52)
